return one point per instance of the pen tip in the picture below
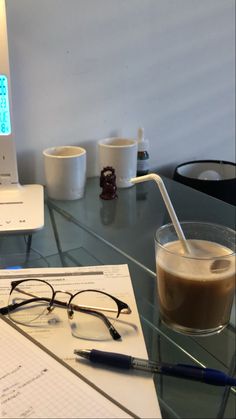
(85, 353)
(78, 351)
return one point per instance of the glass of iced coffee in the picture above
(196, 288)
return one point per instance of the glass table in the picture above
(91, 231)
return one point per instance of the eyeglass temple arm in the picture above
(4, 310)
(122, 307)
(113, 332)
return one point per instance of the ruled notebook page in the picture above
(35, 385)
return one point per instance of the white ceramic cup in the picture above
(121, 154)
(65, 172)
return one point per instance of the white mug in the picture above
(65, 172)
(121, 154)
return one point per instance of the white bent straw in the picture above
(169, 206)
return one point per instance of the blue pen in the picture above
(206, 375)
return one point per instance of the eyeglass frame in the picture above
(121, 305)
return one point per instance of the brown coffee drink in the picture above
(196, 291)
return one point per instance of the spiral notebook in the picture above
(36, 384)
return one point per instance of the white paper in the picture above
(35, 385)
(133, 389)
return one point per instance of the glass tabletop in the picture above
(129, 222)
(91, 231)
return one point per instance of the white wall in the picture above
(86, 69)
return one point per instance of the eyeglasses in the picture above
(91, 313)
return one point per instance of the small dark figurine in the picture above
(108, 183)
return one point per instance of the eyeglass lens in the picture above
(33, 298)
(96, 312)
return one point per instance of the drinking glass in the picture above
(196, 289)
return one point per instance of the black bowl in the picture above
(214, 177)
